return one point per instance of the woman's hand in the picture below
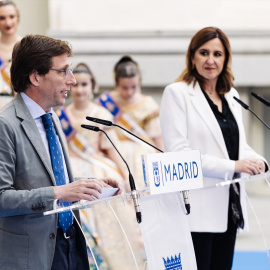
(250, 166)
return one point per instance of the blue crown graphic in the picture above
(173, 263)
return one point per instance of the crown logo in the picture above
(173, 264)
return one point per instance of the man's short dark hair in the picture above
(34, 53)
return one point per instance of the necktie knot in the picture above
(47, 120)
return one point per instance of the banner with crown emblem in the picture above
(166, 233)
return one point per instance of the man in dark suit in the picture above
(41, 74)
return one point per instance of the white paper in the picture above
(106, 192)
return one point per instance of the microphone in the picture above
(109, 123)
(134, 192)
(261, 99)
(245, 106)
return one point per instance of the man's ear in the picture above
(34, 78)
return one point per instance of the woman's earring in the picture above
(193, 66)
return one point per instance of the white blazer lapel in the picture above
(233, 106)
(201, 105)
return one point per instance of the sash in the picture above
(82, 148)
(122, 118)
(6, 77)
(4, 74)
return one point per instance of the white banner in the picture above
(166, 233)
(172, 171)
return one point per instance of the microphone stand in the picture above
(245, 106)
(134, 192)
(261, 99)
(109, 123)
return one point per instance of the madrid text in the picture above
(180, 171)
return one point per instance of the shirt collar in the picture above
(35, 110)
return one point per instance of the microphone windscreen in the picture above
(263, 100)
(99, 121)
(90, 127)
(245, 106)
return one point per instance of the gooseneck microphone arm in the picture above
(261, 99)
(245, 106)
(138, 137)
(109, 123)
(134, 193)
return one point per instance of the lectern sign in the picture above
(173, 171)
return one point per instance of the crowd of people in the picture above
(197, 112)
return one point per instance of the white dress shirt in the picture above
(36, 112)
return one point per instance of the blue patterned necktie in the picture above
(65, 218)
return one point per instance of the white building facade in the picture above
(156, 34)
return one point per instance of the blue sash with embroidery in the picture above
(107, 102)
(66, 125)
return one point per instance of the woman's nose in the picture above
(8, 21)
(210, 59)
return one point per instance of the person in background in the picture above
(35, 173)
(198, 111)
(91, 153)
(9, 20)
(134, 111)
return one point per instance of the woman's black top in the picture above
(230, 133)
(227, 125)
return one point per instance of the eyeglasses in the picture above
(65, 71)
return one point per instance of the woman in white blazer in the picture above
(199, 112)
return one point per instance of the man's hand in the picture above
(110, 182)
(79, 190)
(83, 189)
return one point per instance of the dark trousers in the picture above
(214, 251)
(70, 254)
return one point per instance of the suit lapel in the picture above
(31, 131)
(201, 105)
